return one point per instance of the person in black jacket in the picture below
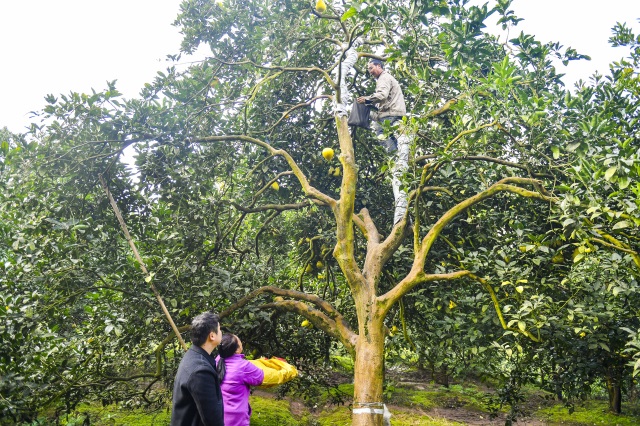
(197, 399)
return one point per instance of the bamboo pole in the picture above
(148, 277)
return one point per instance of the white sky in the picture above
(60, 46)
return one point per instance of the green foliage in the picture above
(75, 309)
(592, 413)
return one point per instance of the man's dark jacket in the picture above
(197, 399)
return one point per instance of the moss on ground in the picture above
(112, 415)
(341, 416)
(456, 396)
(408, 408)
(407, 418)
(271, 412)
(590, 414)
(343, 363)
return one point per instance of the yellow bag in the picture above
(276, 371)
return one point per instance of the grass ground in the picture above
(424, 405)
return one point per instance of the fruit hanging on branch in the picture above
(321, 6)
(327, 153)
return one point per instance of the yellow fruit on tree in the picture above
(327, 153)
(452, 304)
(309, 268)
(319, 264)
(305, 323)
(321, 6)
(394, 329)
(275, 186)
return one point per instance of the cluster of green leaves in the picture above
(212, 227)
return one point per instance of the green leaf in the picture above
(349, 13)
(556, 152)
(610, 172)
(522, 325)
(623, 182)
(573, 146)
(622, 224)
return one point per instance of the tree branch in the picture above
(324, 73)
(417, 271)
(344, 330)
(274, 207)
(304, 182)
(617, 245)
(334, 328)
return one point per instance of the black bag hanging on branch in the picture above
(360, 115)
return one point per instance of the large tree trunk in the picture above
(368, 379)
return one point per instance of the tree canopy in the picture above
(520, 242)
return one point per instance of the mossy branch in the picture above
(417, 274)
(338, 329)
(335, 325)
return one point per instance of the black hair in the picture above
(202, 326)
(227, 347)
(377, 62)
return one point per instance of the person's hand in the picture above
(361, 100)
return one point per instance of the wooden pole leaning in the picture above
(148, 278)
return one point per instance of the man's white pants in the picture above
(398, 169)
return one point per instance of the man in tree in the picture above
(389, 99)
(391, 107)
(197, 399)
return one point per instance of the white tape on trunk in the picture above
(368, 411)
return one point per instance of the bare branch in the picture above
(275, 207)
(324, 73)
(346, 335)
(336, 329)
(467, 132)
(286, 113)
(304, 182)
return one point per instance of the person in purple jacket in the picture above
(236, 375)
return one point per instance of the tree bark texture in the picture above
(368, 407)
